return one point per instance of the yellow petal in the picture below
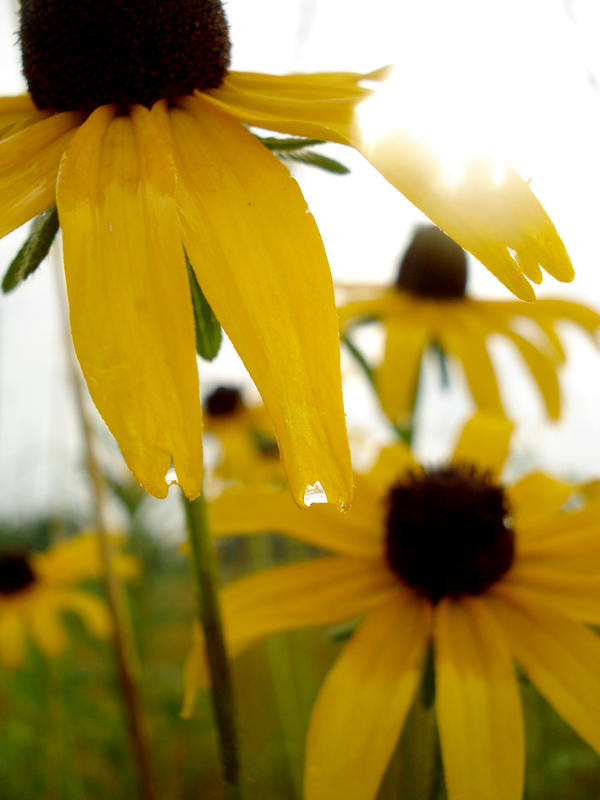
(398, 374)
(542, 369)
(12, 639)
(92, 610)
(259, 509)
(569, 591)
(15, 111)
(320, 105)
(29, 162)
(129, 296)
(313, 592)
(577, 550)
(552, 309)
(393, 464)
(534, 497)
(261, 264)
(478, 368)
(543, 529)
(47, 629)
(364, 701)
(500, 222)
(560, 657)
(484, 441)
(478, 705)
(75, 559)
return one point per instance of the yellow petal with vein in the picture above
(484, 441)
(29, 161)
(364, 701)
(315, 592)
(560, 657)
(260, 261)
(129, 296)
(258, 509)
(500, 222)
(320, 105)
(478, 705)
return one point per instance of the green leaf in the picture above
(208, 328)
(34, 251)
(283, 143)
(316, 160)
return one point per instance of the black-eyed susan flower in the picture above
(37, 587)
(135, 126)
(428, 305)
(486, 573)
(248, 449)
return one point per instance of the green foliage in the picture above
(208, 328)
(296, 149)
(43, 230)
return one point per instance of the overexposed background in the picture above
(520, 75)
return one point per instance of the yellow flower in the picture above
(36, 587)
(136, 128)
(428, 305)
(487, 573)
(248, 448)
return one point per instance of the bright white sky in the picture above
(521, 74)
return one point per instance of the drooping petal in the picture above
(500, 222)
(93, 612)
(484, 441)
(320, 105)
(560, 657)
(29, 161)
(398, 374)
(259, 509)
(551, 309)
(47, 629)
(534, 497)
(313, 592)
(478, 705)
(260, 262)
(129, 296)
(12, 639)
(479, 371)
(364, 701)
(542, 369)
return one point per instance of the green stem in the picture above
(204, 571)
(123, 641)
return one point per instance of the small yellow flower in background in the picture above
(135, 126)
(428, 305)
(36, 587)
(485, 572)
(248, 448)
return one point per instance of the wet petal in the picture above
(478, 705)
(129, 296)
(313, 592)
(484, 441)
(260, 262)
(29, 161)
(259, 509)
(499, 221)
(364, 701)
(398, 375)
(560, 657)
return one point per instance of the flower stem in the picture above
(123, 640)
(204, 570)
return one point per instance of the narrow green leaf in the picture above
(316, 160)
(282, 143)
(208, 328)
(34, 251)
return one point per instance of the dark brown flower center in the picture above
(225, 400)
(448, 532)
(433, 266)
(16, 573)
(80, 54)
